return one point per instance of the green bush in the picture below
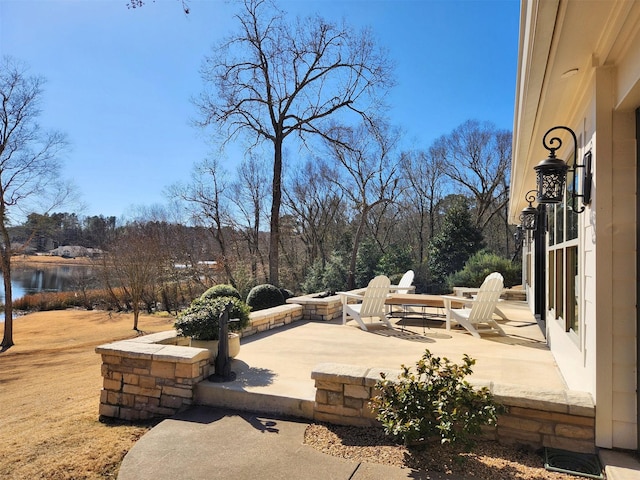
(433, 400)
(264, 296)
(221, 290)
(200, 320)
(482, 264)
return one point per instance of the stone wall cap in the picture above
(275, 310)
(561, 401)
(340, 372)
(154, 351)
(309, 299)
(130, 349)
(178, 354)
(373, 375)
(154, 337)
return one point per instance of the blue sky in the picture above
(119, 81)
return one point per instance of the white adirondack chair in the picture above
(405, 281)
(371, 304)
(477, 316)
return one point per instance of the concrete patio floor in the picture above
(278, 363)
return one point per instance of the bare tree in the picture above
(275, 78)
(317, 203)
(136, 260)
(205, 199)
(423, 172)
(478, 158)
(248, 194)
(368, 175)
(29, 165)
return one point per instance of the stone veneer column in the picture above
(143, 379)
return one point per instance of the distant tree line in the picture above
(347, 215)
(45, 232)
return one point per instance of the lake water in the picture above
(26, 280)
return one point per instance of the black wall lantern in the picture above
(529, 215)
(551, 174)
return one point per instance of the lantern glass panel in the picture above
(550, 185)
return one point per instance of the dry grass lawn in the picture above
(49, 395)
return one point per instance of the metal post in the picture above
(222, 364)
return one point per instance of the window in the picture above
(563, 263)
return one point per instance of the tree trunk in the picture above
(7, 340)
(274, 236)
(5, 264)
(136, 314)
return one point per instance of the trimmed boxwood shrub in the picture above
(221, 290)
(200, 320)
(264, 296)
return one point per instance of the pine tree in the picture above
(458, 239)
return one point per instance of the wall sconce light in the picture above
(518, 235)
(529, 215)
(551, 174)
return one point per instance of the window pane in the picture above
(572, 217)
(572, 289)
(551, 219)
(560, 209)
(552, 279)
(559, 283)
(572, 225)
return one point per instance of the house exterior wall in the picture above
(601, 360)
(599, 105)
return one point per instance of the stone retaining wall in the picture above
(323, 309)
(558, 419)
(271, 318)
(145, 377)
(154, 375)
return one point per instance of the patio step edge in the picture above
(218, 395)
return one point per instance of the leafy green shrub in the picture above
(434, 400)
(264, 296)
(482, 264)
(200, 320)
(221, 290)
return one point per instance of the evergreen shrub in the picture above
(200, 320)
(264, 296)
(221, 290)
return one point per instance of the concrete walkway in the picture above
(208, 444)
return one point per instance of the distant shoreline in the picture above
(48, 260)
